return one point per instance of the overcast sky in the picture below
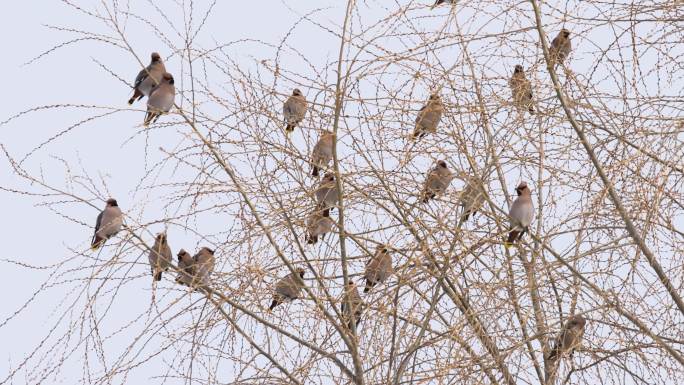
(110, 148)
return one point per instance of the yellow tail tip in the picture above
(508, 244)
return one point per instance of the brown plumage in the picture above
(317, 225)
(560, 48)
(378, 268)
(521, 89)
(326, 194)
(521, 214)
(437, 181)
(288, 288)
(352, 305)
(569, 337)
(161, 99)
(440, 2)
(322, 152)
(186, 265)
(107, 224)
(429, 117)
(471, 199)
(160, 256)
(294, 110)
(148, 78)
(204, 265)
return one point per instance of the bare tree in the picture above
(602, 155)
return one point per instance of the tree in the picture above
(602, 156)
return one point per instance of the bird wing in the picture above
(287, 287)
(554, 43)
(372, 268)
(98, 223)
(287, 108)
(420, 113)
(385, 268)
(142, 75)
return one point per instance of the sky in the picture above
(110, 148)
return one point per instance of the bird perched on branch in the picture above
(317, 225)
(160, 256)
(569, 338)
(428, 117)
(352, 305)
(322, 152)
(108, 223)
(186, 265)
(521, 214)
(161, 99)
(440, 2)
(326, 193)
(471, 199)
(378, 268)
(560, 48)
(288, 288)
(294, 110)
(437, 181)
(522, 90)
(204, 265)
(148, 78)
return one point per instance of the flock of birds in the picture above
(194, 271)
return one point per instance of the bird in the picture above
(522, 89)
(326, 193)
(288, 288)
(186, 265)
(294, 110)
(161, 99)
(352, 305)
(322, 152)
(428, 117)
(438, 179)
(160, 256)
(560, 48)
(148, 78)
(204, 265)
(521, 214)
(108, 223)
(569, 337)
(472, 197)
(317, 225)
(378, 268)
(440, 2)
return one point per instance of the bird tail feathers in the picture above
(137, 95)
(97, 242)
(553, 354)
(368, 287)
(513, 236)
(148, 118)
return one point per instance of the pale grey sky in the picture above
(114, 149)
(110, 147)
